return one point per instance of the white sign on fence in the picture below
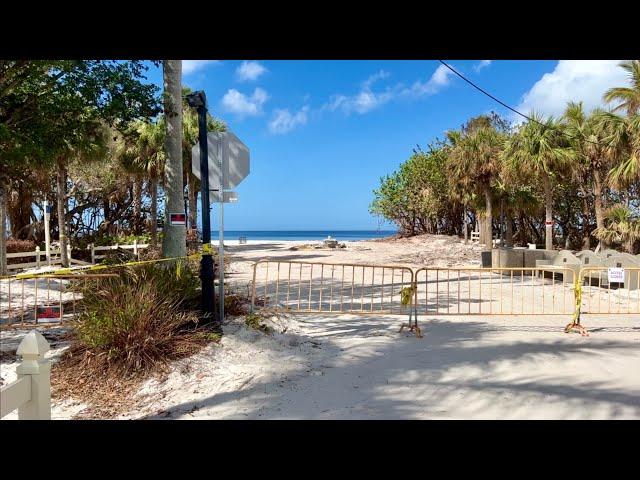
(616, 275)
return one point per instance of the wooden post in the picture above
(32, 349)
(69, 252)
(135, 247)
(37, 257)
(93, 253)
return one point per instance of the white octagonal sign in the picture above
(235, 160)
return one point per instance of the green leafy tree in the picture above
(50, 111)
(540, 150)
(621, 227)
(474, 162)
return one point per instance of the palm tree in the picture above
(626, 132)
(626, 147)
(126, 154)
(174, 239)
(591, 137)
(622, 227)
(540, 150)
(150, 158)
(473, 162)
(628, 97)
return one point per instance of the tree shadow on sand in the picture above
(457, 371)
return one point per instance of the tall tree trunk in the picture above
(488, 222)
(173, 240)
(548, 207)
(153, 221)
(3, 228)
(137, 204)
(61, 197)
(502, 221)
(193, 199)
(480, 219)
(586, 220)
(466, 226)
(509, 233)
(599, 207)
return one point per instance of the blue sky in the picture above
(322, 133)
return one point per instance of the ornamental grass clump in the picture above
(130, 326)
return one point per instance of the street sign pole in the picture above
(199, 100)
(226, 170)
(221, 234)
(47, 233)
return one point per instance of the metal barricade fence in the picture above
(331, 287)
(41, 299)
(604, 297)
(494, 291)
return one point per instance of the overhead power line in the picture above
(513, 109)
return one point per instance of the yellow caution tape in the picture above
(93, 268)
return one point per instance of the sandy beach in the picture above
(347, 366)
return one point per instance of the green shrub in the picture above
(140, 319)
(253, 320)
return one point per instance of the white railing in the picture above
(30, 394)
(475, 236)
(135, 247)
(40, 258)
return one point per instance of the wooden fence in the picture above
(95, 255)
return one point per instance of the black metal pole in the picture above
(206, 264)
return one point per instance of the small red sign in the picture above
(49, 311)
(177, 219)
(549, 223)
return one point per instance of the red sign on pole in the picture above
(549, 222)
(177, 219)
(49, 311)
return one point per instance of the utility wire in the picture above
(513, 109)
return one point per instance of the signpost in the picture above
(199, 101)
(220, 160)
(47, 233)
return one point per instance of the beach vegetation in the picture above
(565, 182)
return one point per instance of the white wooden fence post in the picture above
(37, 257)
(93, 253)
(32, 349)
(69, 253)
(135, 247)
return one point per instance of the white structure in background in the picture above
(30, 394)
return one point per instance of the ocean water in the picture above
(340, 235)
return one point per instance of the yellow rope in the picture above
(93, 268)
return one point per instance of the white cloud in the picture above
(284, 121)
(572, 80)
(381, 75)
(249, 71)
(482, 64)
(190, 66)
(437, 82)
(367, 99)
(362, 102)
(241, 104)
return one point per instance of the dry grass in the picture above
(130, 329)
